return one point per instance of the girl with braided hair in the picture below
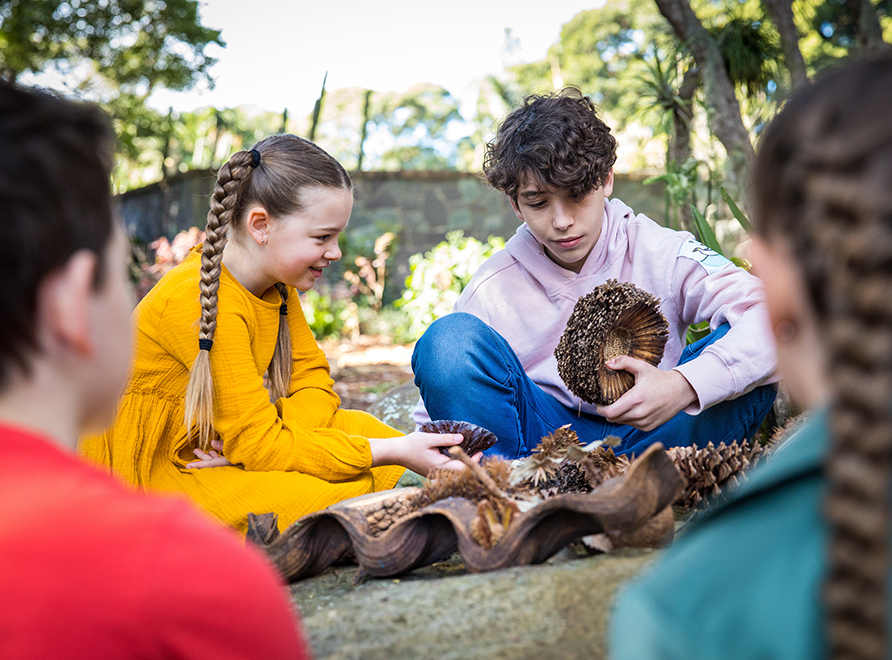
(796, 563)
(213, 326)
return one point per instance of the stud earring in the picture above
(785, 331)
(263, 241)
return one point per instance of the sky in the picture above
(278, 51)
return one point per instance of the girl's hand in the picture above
(418, 451)
(655, 399)
(212, 459)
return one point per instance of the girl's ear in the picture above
(257, 224)
(64, 304)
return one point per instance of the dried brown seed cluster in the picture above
(711, 469)
(541, 467)
(569, 478)
(491, 522)
(616, 318)
(476, 438)
(602, 464)
(465, 483)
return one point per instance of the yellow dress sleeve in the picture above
(257, 434)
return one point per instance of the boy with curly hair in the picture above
(491, 362)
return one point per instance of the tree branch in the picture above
(781, 12)
(723, 109)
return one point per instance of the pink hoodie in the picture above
(527, 298)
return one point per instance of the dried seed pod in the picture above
(602, 465)
(443, 483)
(554, 445)
(569, 478)
(476, 439)
(385, 508)
(616, 318)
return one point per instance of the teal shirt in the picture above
(745, 581)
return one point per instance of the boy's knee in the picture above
(445, 351)
(446, 336)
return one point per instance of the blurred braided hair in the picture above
(273, 175)
(823, 185)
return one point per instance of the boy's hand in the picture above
(418, 451)
(655, 399)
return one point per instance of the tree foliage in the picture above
(134, 45)
(404, 130)
(115, 52)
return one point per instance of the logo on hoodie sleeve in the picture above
(711, 260)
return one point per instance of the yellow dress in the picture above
(297, 455)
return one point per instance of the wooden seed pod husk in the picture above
(615, 319)
(383, 509)
(476, 438)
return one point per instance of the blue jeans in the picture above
(466, 371)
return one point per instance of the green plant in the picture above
(680, 181)
(438, 277)
(328, 312)
(707, 236)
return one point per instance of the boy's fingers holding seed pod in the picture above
(656, 397)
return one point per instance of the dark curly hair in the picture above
(557, 140)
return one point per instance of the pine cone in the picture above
(712, 469)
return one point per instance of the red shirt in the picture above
(90, 568)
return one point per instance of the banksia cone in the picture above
(615, 319)
(382, 513)
(710, 470)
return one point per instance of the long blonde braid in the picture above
(272, 174)
(199, 408)
(823, 184)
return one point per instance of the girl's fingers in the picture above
(453, 438)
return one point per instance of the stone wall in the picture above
(421, 207)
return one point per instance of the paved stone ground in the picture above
(556, 610)
(559, 609)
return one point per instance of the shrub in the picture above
(329, 311)
(439, 276)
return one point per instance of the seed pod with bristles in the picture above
(615, 319)
(476, 438)
(602, 465)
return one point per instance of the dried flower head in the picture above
(616, 318)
